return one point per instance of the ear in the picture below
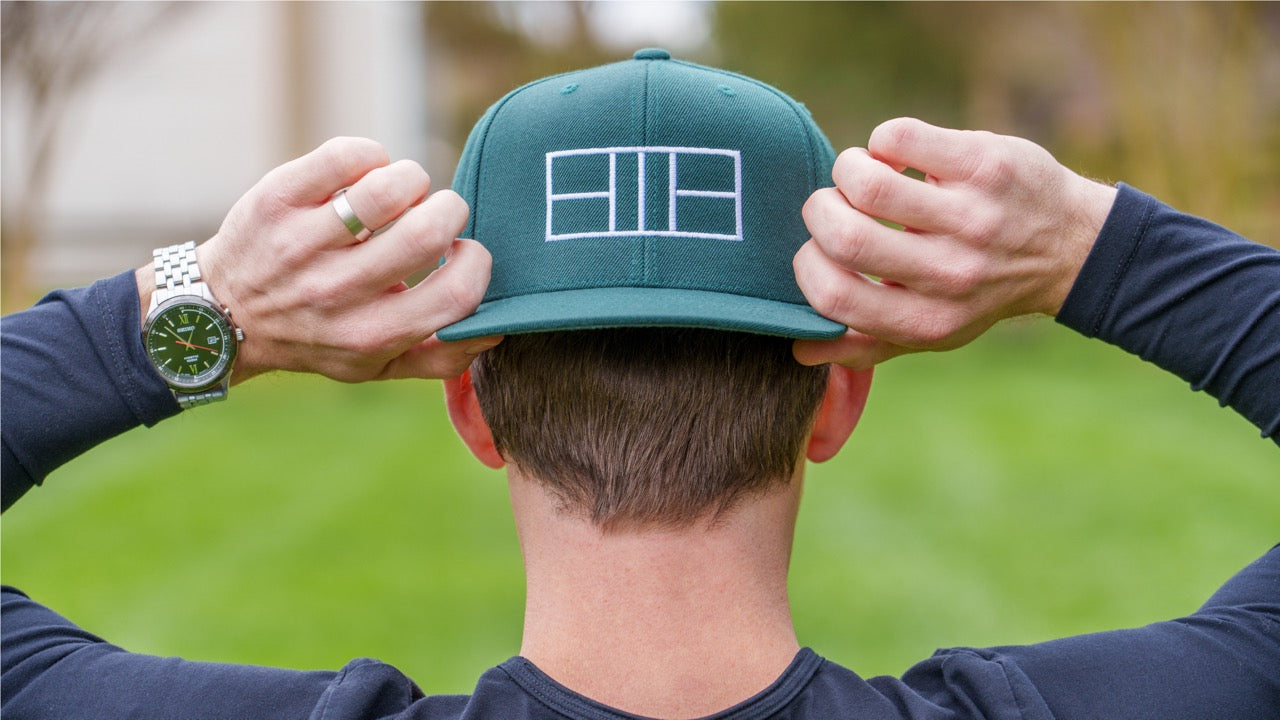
(464, 413)
(841, 408)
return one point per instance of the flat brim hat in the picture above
(645, 193)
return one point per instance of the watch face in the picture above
(190, 343)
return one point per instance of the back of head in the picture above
(642, 217)
(649, 426)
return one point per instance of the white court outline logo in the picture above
(674, 193)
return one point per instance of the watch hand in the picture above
(198, 347)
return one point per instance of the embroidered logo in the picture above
(680, 192)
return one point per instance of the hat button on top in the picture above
(652, 54)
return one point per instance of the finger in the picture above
(879, 190)
(338, 163)
(448, 294)
(380, 197)
(859, 242)
(416, 242)
(853, 350)
(434, 358)
(940, 152)
(887, 311)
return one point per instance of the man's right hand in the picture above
(998, 228)
(310, 298)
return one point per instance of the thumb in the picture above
(435, 358)
(853, 350)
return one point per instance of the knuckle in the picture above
(463, 292)
(845, 162)
(371, 340)
(325, 297)
(453, 207)
(958, 278)
(895, 133)
(327, 294)
(479, 257)
(417, 175)
(994, 167)
(422, 233)
(406, 181)
(814, 211)
(443, 216)
(834, 232)
(274, 197)
(348, 156)
(804, 262)
(932, 328)
(383, 199)
(831, 298)
(864, 182)
(978, 223)
(409, 166)
(846, 245)
(291, 255)
(868, 189)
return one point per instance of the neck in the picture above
(657, 621)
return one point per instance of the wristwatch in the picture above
(188, 335)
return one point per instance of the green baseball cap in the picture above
(645, 193)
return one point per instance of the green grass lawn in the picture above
(1031, 485)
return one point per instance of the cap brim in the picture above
(597, 308)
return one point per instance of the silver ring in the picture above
(348, 217)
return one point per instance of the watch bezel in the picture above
(226, 359)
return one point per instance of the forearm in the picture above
(1223, 661)
(54, 669)
(307, 294)
(1189, 296)
(74, 376)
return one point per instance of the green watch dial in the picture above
(192, 345)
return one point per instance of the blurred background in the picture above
(127, 125)
(1031, 485)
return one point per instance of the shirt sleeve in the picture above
(1190, 296)
(54, 669)
(1204, 303)
(1221, 662)
(75, 374)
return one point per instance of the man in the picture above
(642, 219)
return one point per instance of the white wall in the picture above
(174, 129)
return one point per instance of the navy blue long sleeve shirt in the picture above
(1187, 295)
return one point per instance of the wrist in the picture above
(188, 335)
(145, 277)
(215, 278)
(1088, 211)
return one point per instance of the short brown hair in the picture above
(649, 425)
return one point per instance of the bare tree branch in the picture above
(50, 51)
